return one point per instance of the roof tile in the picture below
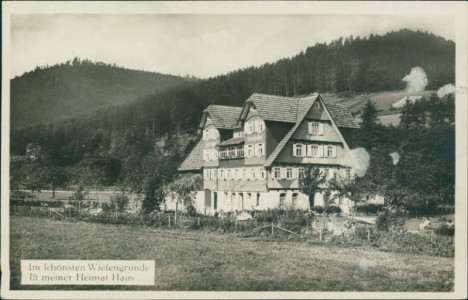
(224, 117)
(194, 161)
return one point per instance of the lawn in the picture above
(191, 260)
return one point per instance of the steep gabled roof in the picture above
(232, 141)
(341, 115)
(304, 106)
(194, 161)
(275, 108)
(224, 117)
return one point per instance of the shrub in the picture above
(391, 218)
(333, 209)
(369, 208)
(443, 229)
(317, 209)
(118, 202)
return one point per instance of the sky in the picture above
(199, 45)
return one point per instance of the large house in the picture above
(251, 157)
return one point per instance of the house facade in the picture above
(252, 157)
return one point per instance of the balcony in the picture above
(231, 153)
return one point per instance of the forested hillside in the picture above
(74, 87)
(121, 144)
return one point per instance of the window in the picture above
(301, 172)
(236, 174)
(223, 154)
(215, 154)
(207, 174)
(313, 151)
(260, 150)
(258, 199)
(215, 174)
(294, 198)
(313, 128)
(329, 151)
(326, 173)
(282, 199)
(240, 151)
(232, 152)
(316, 128)
(276, 173)
(348, 173)
(221, 174)
(244, 173)
(215, 200)
(250, 151)
(252, 172)
(259, 126)
(206, 134)
(298, 151)
(238, 133)
(289, 173)
(317, 105)
(228, 174)
(262, 173)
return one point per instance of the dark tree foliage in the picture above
(311, 182)
(424, 176)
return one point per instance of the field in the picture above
(203, 261)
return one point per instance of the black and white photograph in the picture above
(260, 150)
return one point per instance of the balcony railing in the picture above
(231, 153)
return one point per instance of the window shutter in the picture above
(309, 150)
(321, 129)
(294, 149)
(282, 173)
(320, 151)
(310, 127)
(334, 151)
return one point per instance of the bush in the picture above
(369, 208)
(392, 219)
(317, 209)
(118, 202)
(443, 229)
(333, 209)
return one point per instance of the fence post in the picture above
(169, 220)
(198, 221)
(272, 229)
(321, 232)
(236, 225)
(368, 234)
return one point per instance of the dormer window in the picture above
(317, 105)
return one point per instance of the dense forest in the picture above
(138, 145)
(79, 86)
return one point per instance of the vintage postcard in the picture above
(179, 150)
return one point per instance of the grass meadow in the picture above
(201, 261)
